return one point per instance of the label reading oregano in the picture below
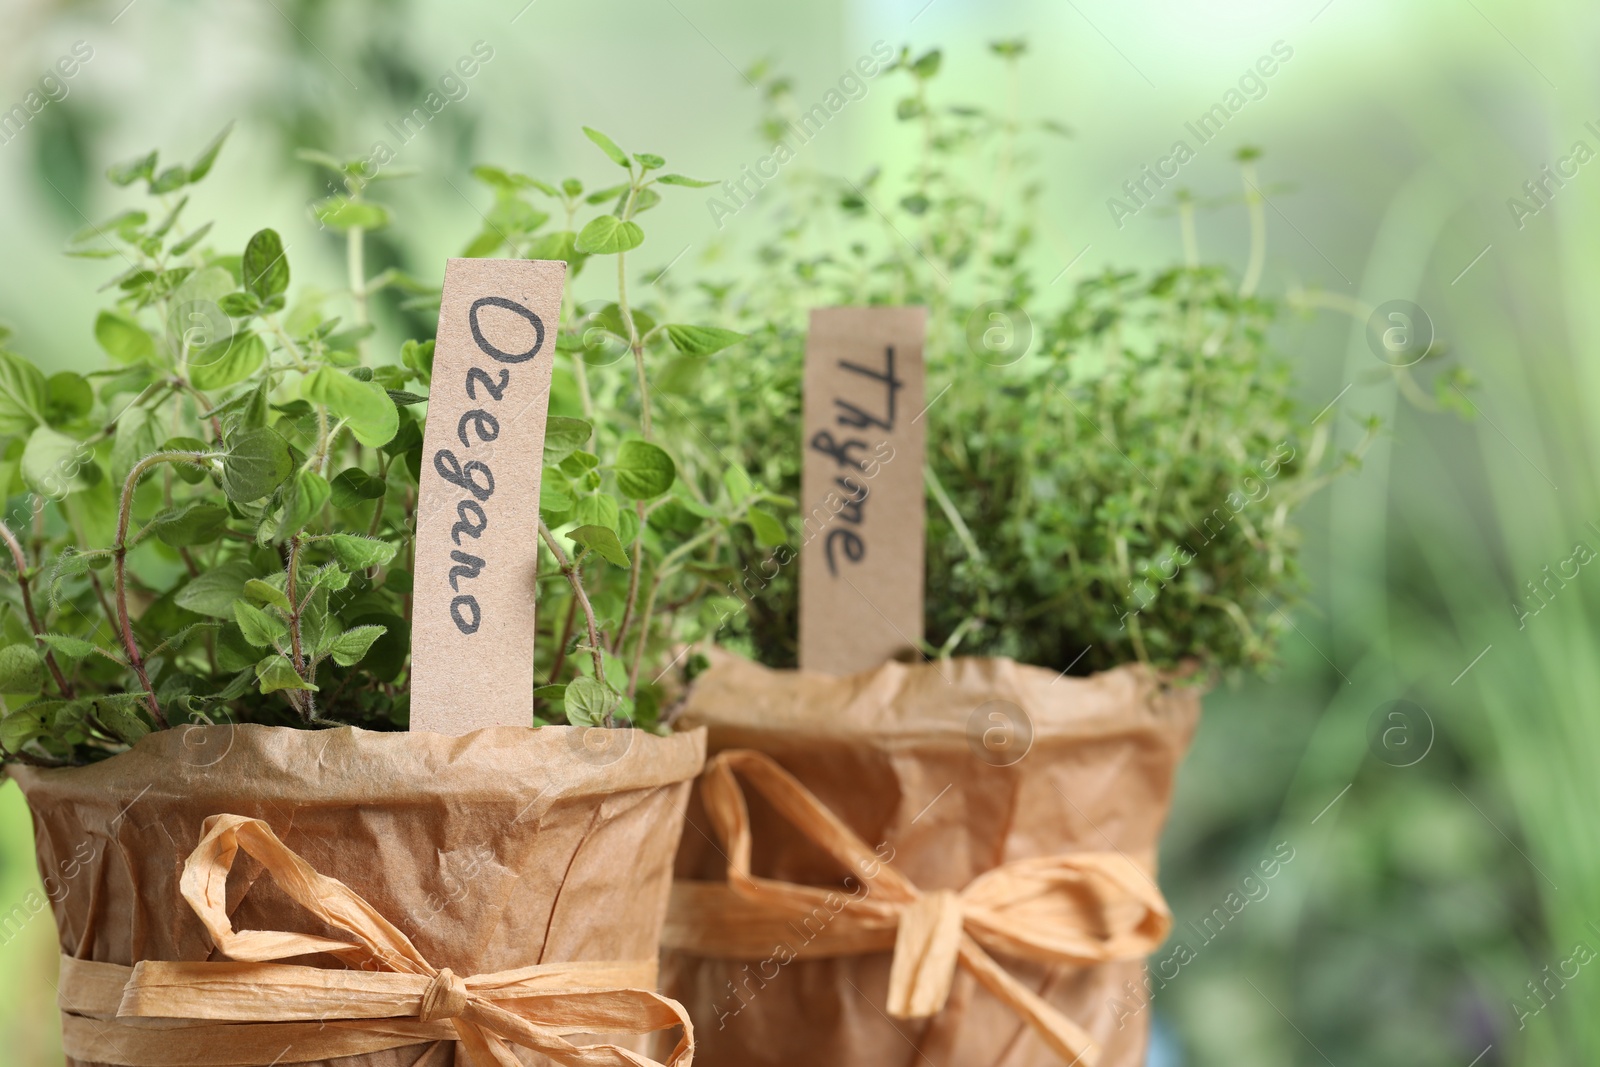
(478, 506)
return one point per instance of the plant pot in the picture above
(507, 848)
(808, 911)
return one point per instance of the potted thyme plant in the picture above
(966, 843)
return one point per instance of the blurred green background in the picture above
(1432, 910)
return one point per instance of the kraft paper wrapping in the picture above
(496, 851)
(948, 771)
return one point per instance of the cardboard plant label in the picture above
(861, 490)
(478, 506)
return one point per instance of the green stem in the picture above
(569, 309)
(377, 505)
(355, 262)
(27, 605)
(634, 345)
(287, 342)
(663, 572)
(561, 646)
(119, 553)
(202, 405)
(303, 702)
(946, 505)
(318, 460)
(575, 579)
(294, 606)
(644, 635)
(633, 580)
(105, 604)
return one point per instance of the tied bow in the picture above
(1080, 909)
(390, 997)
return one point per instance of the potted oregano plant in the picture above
(957, 852)
(206, 635)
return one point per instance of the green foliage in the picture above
(1112, 467)
(21, 670)
(643, 470)
(639, 527)
(180, 503)
(608, 234)
(225, 512)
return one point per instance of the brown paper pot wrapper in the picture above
(499, 850)
(958, 767)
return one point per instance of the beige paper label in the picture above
(478, 506)
(861, 497)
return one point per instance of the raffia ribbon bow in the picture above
(254, 1011)
(1084, 908)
